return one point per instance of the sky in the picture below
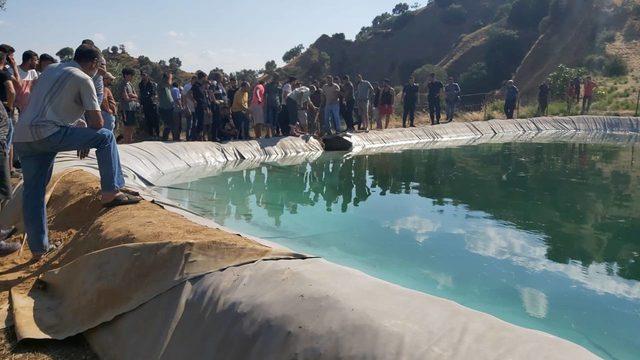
(204, 34)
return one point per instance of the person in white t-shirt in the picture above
(51, 124)
(25, 78)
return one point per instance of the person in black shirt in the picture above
(200, 98)
(231, 90)
(148, 99)
(6, 248)
(410, 101)
(543, 98)
(434, 88)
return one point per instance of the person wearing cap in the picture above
(44, 61)
(109, 105)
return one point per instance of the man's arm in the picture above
(94, 119)
(11, 94)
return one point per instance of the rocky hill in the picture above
(484, 42)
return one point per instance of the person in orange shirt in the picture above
(109, 106)
(587, 98)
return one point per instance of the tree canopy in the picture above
(65, 54)
(293, 53)
(400, 9)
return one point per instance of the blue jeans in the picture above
(37, 166)
(241, 121)
(272, 116)
(109, 121)
(332, 111)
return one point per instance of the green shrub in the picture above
(503, 55)
(559, 79)
(454, 15)
(615, 66)
(422, 73)
(475, 79)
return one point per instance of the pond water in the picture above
(546, 236)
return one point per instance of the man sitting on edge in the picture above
(59, 99)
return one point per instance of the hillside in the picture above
(523, 39)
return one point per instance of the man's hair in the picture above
(127, 71)
(292, 79)
(175, 84)
(261, 81)
(28, 55)
(86, 53)
(232, 78)
(346, 78)
(3, 56)
(88, 42)
(47, 57)
(245, 84)
(200, 74)
(7, 49)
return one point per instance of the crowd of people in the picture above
(571, 95)
(78, 105)
(215, 107)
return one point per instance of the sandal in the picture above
(123, 199)
(129, 192)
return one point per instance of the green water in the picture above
(546, 236)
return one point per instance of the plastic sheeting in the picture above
(509, 129)
(313, 309)
(268, 309)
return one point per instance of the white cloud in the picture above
(535, 302)
(443, 280)
(529, 251)
(177, 38)
(417, 225)
(99, 37)
(130, 46)
(172, 34)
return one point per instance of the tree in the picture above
(3, 4)
(454, 15)
(144, 61)
(175, 63)
(415, 6)
(527, 14)
(475, 79)
(251, 76)
(293, 53)
(443, 3)
(422, 73)
(113, 49)
(162, 63)
(338, 36)
(560, 78)
(270, 66)
(503, 55)
(400, 9)
(615, 66)
(380, 19)
(65, 54)
(123, 49)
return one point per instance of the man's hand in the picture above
(94, 119)
(82, 154)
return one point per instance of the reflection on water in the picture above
(542, 235)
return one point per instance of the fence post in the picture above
(638, 103)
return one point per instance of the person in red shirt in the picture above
(589, 86)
